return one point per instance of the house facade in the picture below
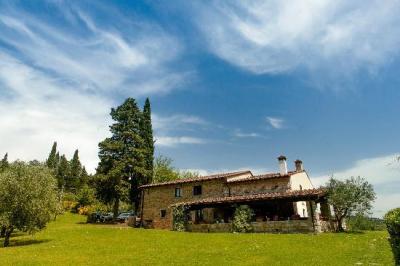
(285, 201)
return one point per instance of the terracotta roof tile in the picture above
(262, 177)
(200, 178)
(289, 194)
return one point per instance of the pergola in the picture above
(282, 198)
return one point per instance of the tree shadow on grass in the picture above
(354, 232)
(24, 242)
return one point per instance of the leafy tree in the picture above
(75, 174)
(163, 170)
(353, 196)
(147, 135)
(4, 162)
(188, 174)
(52, 161)
(28, 198)
(122, 157)
(36, 163)
(63, 172)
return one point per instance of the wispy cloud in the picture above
(277, 123)
(177, 121)
(279, 36)
(91, 57)
(61, 73)
(383, 172)
(168, 129)
(175, 141)
(240, 134)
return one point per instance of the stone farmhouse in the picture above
(282, 202)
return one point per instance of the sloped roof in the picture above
(263, 176)
(289, 194)
(200, 178)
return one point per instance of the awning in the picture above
(295, 195)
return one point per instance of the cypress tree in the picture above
(57, 160)
(4, 162)
(147, 134)
(51, 161)
(76, 169)
(84, 177)
(63, 172)
(122, 165)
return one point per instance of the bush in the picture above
(86, 196)
(242, 219)
(392, 221)
(180, 218)
(361, 222)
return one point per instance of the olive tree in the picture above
(349, 197)
(28, 198)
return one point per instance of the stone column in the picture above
(313, 216)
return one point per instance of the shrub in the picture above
(69, 205)
(361, 222)
(242, 219)
(86, 196)
(180, 218)
(392, 221)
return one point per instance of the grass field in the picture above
(69, 241)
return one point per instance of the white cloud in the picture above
(38, 112)
(239, 134)
(166, 129)
(278, 36)
(175, 121)
(59, 77)
(275, 122)
(246, 135)
(174, 141)
(382, 172)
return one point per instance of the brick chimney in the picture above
(282, 165)
(299, 165)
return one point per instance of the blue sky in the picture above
(232, 85)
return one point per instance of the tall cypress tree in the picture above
(84, 177)
(57, 160)
(76, 169)
(63, 172)
(51, 161)
(122, 165)
(147, 135)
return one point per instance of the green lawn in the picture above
(69, 241)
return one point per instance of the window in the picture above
(198, 216)
(197, 190)
(178, 192)
(163, 213)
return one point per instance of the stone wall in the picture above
(161, 197)
(290, 226)
(259, 186)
